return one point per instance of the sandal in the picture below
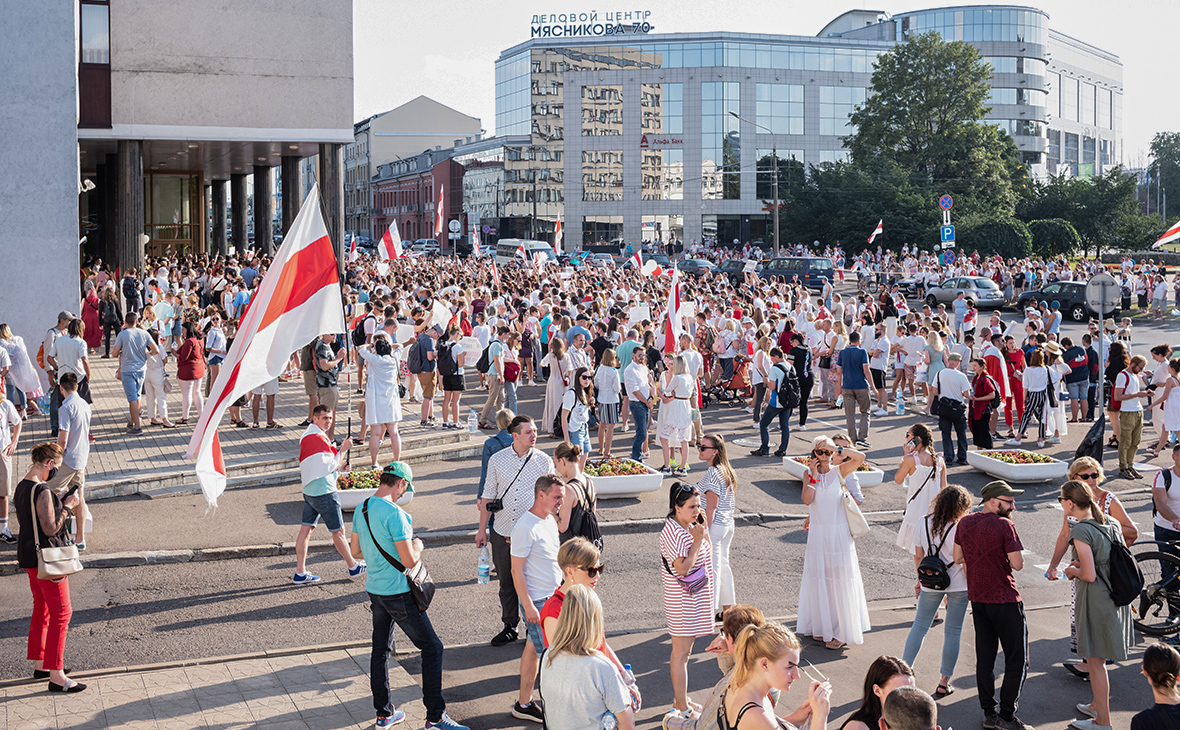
(239, 424)
(1113, 442)
(943, 690)
(835, 645)
(182, 422)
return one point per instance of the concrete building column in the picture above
(108, 180)
(237, 212)
(206, 214)
(264, 240)
(331, 170)
(217, 245)
(292, 188)
(128, 248)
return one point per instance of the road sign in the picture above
(1102, 293)
(945, 202)
(454, 226)
(946, 217)
(454, 235)
(487, 229)
(948, 233)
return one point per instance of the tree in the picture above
(1007, 237)
(1100, 209)
(1053, 237)
(1165, 155)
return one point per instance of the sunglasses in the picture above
(702, 447)
(822, 452)
(595, 571)
(586, 377)
(1089, 475)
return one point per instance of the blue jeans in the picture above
(959, 427)
(15, 394)
(510, 396)
(581, 437)
(401, 609)
(54, 405)
(639, 414)
(784, 425)
(928, 602)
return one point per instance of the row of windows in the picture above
(1024, 97)
(1022, 127)
(698, 55)
(835, 104)
(1079, 101)
(720, 141)
(780, 107)
(662, 108)
(1016, 65)
(1070, 148)
(980, 25)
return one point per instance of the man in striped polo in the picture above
(318, 464)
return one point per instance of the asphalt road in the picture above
(189, 611)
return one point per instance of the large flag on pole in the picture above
(353, 255)
(877, 231)
(475, 239)
(521, 252)
(391, 243)
(299, 300)
(1171, 234)
(438, 218)
(638, 257)
(495, 274)
(557, 234)
(672, 326)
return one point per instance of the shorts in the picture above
(427, 381)
(878, 378)
(268, 388)
(910, 371)
(328, 397)
(533, 631)
(132, 385)
(326, 506)
(453, 384)
(1159, 303)
(309, 387)
(1079, 390)
(5, 475)
(66, 477)
(609, 413)
(216, 359)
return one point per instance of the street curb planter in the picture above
(354, 489)
(866, 475)
(1018, 466)
(616, 485)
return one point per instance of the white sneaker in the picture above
(1012, 442)
(1053, 440)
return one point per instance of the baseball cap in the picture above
(65, 314)
(401, 470)
(991, 490)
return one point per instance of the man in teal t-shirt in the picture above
(380, 528)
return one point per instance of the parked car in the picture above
(812, 271)
(600, 260)
(664, 262)
(696, 267)
(734, 270)
(426, 246)
(982, 292)
(1071, 295)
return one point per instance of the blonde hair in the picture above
(1083, 463)
(609, 358)
(679, 365)
(577, 552)
(770, 640)
(934, 340)
(580, 626)
(819, 441)
(5, 333)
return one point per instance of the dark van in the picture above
(811, 271)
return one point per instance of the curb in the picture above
(268, 550)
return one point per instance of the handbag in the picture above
(694, 582)
(858, 525)
(421, 584)
(167, 385)
(53, 563)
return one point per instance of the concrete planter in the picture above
(1017, 473)
(630, 486)
(870, 478)
(350, 499)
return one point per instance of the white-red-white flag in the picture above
(298, 301)
(475, 239)
(495, 274)
(672, 327)
(638, 258)
(1169, 235)
(877, 231)
(522, 253)
(557, 235)
(353, 254)
(391, 243)
(438, 218)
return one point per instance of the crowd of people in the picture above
(616, 369)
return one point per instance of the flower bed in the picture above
(1017, 466)
(357, 486)
(868, 476)
(620, 478)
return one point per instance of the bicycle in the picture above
(1156, 612)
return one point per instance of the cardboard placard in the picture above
(639, 313)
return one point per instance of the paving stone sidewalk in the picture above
(309, 691)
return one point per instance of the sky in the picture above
(450, 55)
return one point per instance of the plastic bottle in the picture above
(608, 721)
(472, 422)
(483, 571)
(900, 406)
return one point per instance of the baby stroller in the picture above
(732, 391)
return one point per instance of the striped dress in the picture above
(687, 615)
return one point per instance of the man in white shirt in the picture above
(1129, 392)
(10, 426)
(638, 382)
(953, 390)
(74, 438)
(536, 575)
(1167, 505)
(878, 349)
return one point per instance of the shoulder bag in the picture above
(858, 526)
(421, 584)
(54, 562)
(497, 504)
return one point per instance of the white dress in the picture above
(912, 533)
(1172, 411)
(832, 596)
(382, 403)
(1057, 419)
(21, 372)
(676, 414)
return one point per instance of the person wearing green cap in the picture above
(379, 528)
(989, 548)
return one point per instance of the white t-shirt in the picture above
(8, 418)
(74, 416)
(1131, 384)
(1173, 498)
(483, 333)
(761, 362)
(607, 380)
(694, 361)
(879, 361)
(951, 383)
(914, 346)
(537, 540)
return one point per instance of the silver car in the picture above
(982, 292)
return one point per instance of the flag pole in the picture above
(349, 365)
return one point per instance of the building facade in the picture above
(407, 191)
(670, 137)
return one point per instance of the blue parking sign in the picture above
(948, 233)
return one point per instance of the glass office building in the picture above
(635, 138)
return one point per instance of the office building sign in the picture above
(591, 24)
(655, 141)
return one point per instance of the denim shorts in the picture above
(533, 631)
(132, 385)
(216, 359)
(1079, 390)
(326, 506)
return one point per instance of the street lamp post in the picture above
(774, 153)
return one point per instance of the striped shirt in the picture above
(317, 462)
(714, 481)
(687, 614)
(516, 491)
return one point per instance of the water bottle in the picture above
(900, 406)
(608, 721)
(483, 569)
(472, 422)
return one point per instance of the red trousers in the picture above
(1017, 397)
(51, 620)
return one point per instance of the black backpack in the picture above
(1126, 579)
(484, 364)
(997, 396)
(358, 334)
(584, 522)
(788, 389)
(932, 572)
(446, 360)
(414, 357)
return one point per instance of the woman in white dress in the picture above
(1167, 400)
(561, 367)
(1056, 414)
(923, 473)
(832, 605)
(676, 392)
(22, 384)
(383, 405)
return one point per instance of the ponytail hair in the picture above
(1161, 664)
(766, 641)
(1079, 493)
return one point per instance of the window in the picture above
(1088, 102)
(1104, 147)
(1069, 99)
(663, 228)
(1104, 116)
(780, 107)
(1088, 150)
(831, 157)
(663, 174)
(1054, 149)
(602, 175)
(602, 111)
(1071, 152)
(601, 229)
(95, 33)
(835, 104)
(720, 141)
(790, 168)
(662, 108)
